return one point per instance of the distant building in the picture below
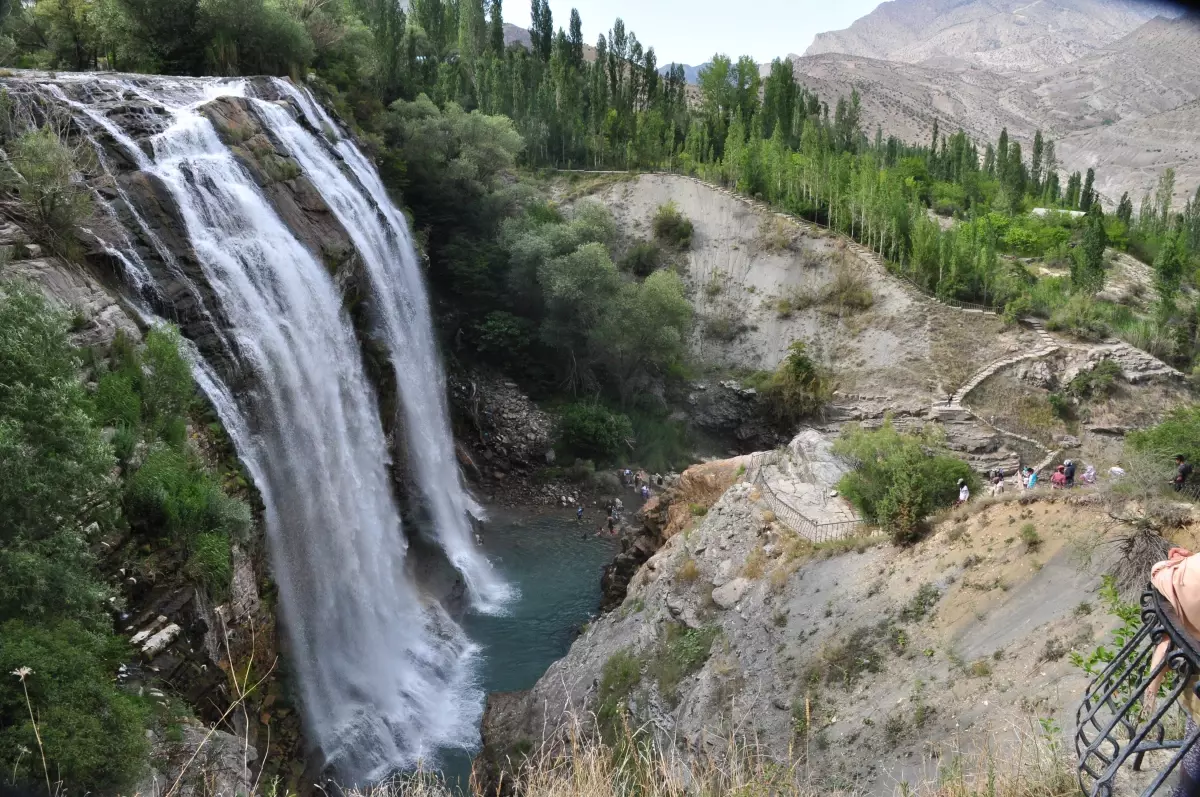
(1047, 211)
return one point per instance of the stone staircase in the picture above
(955, 410)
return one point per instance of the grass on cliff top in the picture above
(581, 766)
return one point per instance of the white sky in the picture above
(690, 31)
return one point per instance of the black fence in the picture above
(1118, 727)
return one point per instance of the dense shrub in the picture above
(661, 444)
(899, 479)
(92, 733)
(116, 401)
(590, 430)
(1099, 382)
(1178, 434)
(209, 563)
(671, 227)
(849, 291)
(798, 389)
(642, 258)
(42, 170)
(1079, 316)
(166, 384)
(53, 465)
(172, 494)
(503, 334)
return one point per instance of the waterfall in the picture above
(381, 236)
(386, 678)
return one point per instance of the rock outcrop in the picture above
(739, 628)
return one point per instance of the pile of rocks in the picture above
(508, 431)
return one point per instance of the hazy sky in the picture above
(690, 31)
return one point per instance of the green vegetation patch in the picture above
(672, 228)
(681, 653)
(621, 675)
(899, 479)
(92, 733)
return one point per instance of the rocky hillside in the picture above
(1114, 83)
(999, 35)
(866, 662)
(760, 281)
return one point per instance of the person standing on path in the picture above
(964, 492)
(1070, 472)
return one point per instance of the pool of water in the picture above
(555, 563)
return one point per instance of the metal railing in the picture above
(798, 522)
(1115, 723)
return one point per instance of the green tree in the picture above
(1086, 197)
(496, 28)
(1169, 266)
(587, 429)
(43, 171)
(798, 389)
(1087, 270)
(644, 331)
(897, 480)
(92, 733)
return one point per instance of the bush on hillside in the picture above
(92, 733)
(54, 465)
(42, 170)
(1079, 316)
(661, 444)
(642, 259)
(167, 387)
(899, 479)
(171, 494)
(592, 431)
(671, 227)
(799, 388)
(503, 334)
(1178, 434)
(1099, 382)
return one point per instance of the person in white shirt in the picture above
(964, 493)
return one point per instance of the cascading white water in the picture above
(381, 236)
(387, 679)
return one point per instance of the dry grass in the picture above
(756, 563)
(699, 487)
(688, 571)
(578, 765)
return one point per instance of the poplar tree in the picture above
(1087, 271)
(1036, 162)
(496, 28)
(1086, 198)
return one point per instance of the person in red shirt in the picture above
(1059, 479)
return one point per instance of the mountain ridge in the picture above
(1001, 35)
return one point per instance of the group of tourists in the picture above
(1064, 475)
(641, 481)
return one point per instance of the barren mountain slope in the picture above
(1130, 155)
(905, 98)
(1153, 69)
(1008, 35)
(756, 279)
(1128, 109)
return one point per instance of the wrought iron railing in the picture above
(1117, 726)
(799, 522)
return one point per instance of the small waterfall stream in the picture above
(387, 679)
